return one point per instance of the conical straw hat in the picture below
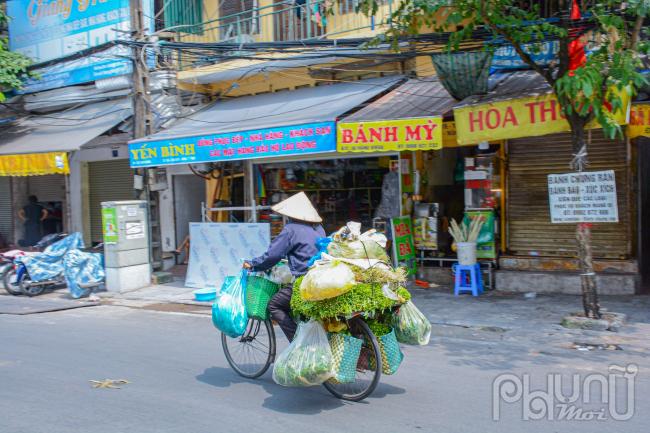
(298, 207)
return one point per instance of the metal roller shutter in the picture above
(530, 231)
(46, 188)
(6, 209)
(108, 181)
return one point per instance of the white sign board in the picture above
(217, 250)
(587, 197)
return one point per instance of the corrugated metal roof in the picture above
(415, 98)
(64, 131)
(290, 107)
(512, 86)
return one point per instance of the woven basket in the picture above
(391, 355)
(259, 292)
(345, 354)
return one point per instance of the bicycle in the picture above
(255, 351)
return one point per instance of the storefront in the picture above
(439, 180)
(522, 111)
(37, 157)
(272, 136)
(639, 133)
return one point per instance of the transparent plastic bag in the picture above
(327, 279)
(411, 326)
(229, 308)
(308, 359)
(281, 274)
(359, 249)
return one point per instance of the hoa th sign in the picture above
(586, 197)
(525, 117)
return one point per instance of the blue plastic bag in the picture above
(321, 244)
(229, 308)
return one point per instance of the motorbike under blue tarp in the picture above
(49, 264)
(65, 258)
(82, 269)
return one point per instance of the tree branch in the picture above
(636, 32)
(518, 48)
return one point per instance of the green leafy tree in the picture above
(13, 66)
(618, 40)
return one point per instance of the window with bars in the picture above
(184, 16)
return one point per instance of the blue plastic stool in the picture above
(463, 272)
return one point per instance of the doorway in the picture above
(189, 193)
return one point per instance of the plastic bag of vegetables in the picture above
(308, 359)
(229, 308)
(327, 279)
(359, 249)
(411, 326)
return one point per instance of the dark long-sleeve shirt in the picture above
(296, 242)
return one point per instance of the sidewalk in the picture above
(494, 317)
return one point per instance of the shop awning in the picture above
(238, 68)
(283, 123)
(34, 164)
(409, 117)
(521, 105)
(37, 145)
(63, 131)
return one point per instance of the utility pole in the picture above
(143, 126)
(141, 102)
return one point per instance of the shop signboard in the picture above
(263, 143)
(505, 58)
(48, 30)
(517, 118)
(403, 245)
(34, 164)
(586, 197)
(217, 250)
(639, 121)
(109, 225)
(390, 135)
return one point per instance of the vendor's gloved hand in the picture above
(247, 265)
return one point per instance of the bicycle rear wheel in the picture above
(368, 366)
(251, 354)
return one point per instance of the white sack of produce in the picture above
(359, 249)
(411, 326)
(308, 359)
(326, 279)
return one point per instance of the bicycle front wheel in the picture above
(251, 354)
(368, 366)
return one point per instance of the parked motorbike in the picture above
(8, 269)
(65, 262)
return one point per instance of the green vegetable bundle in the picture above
(363, 297)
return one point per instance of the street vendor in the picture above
(296, 242)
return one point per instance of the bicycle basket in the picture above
(259, 292)
(391, 354)
(345, 354)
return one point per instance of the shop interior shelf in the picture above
(326, 189)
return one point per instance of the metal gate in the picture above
(530, 161)
(6, 209)
(108, 181)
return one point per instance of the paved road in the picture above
(181, 382)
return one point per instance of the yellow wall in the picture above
(345, 25)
